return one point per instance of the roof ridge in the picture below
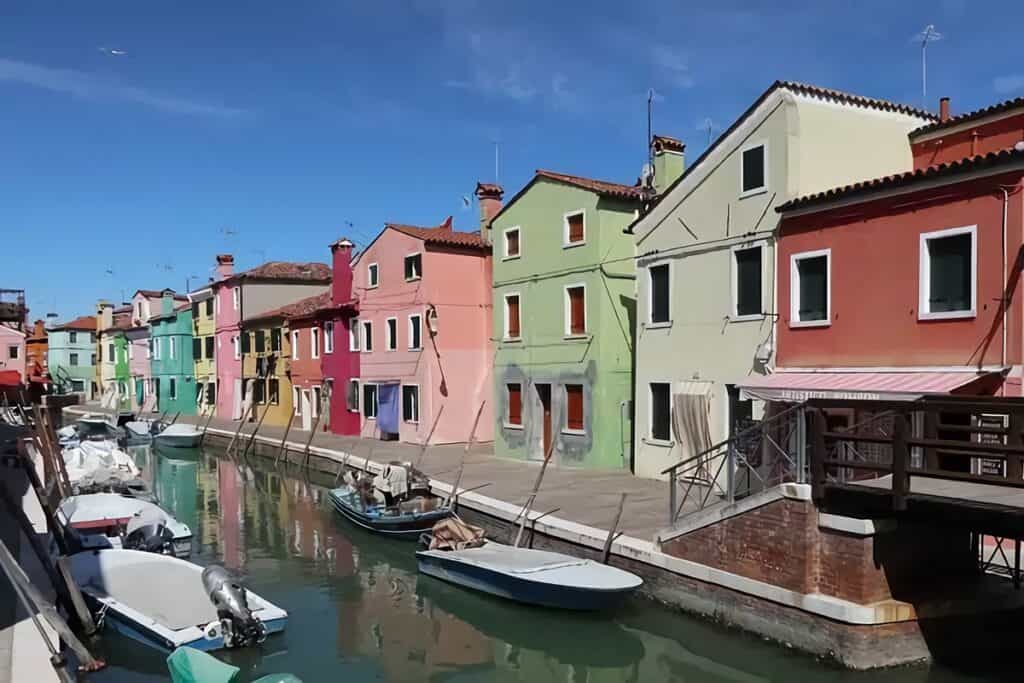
(996, 108)
(854, 98)
(548, 172)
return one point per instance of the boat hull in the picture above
(177, 441)
(408, 527)
(519, 589)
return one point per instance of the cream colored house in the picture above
(706, 304)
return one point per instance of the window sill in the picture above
(573, 245)
(746, 318)
(573, 432)
(511, 340)
(512, 426)
(577, 337)
(415, 348)
(810, 323)
(413, 279)
(947, 315)
(658, 326)
(372, 286)
(354, 411)
(510, 258)
(754, 192)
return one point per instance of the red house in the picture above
(907, 285)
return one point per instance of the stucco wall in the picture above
(260, 297)
(12, 339)
(59, 355)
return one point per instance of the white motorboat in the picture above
(167, 603)
(115, 521)
(459, 554)
(97, 426)
(179, 436)
(139, 430)
(97, 466)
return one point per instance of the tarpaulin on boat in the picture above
(870, 386)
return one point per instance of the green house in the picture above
(171, 363)
(122, 375)
(564, 314)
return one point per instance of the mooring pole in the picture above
(206, 426)
(309, 441)
(241, 421)
(525, 512)
(465, 453)
(430, 434)
(252, 437)
(606, 553)
(176, 416)
(284, 439)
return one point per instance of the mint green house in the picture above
(121, 373)
(172, 367)
(564, 313)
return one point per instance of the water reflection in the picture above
(360, 612)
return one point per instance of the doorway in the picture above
(544, 397)
(307, 409)
(236, 403)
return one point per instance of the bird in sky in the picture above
(113, 52)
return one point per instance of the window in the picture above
(746, 282)
(574, 407)
(138, 310)
(752, 170)
(296, 401)
(173, 345)
(295, 344)
(77, 384)
(209, 308)
(156, 347)
(575, 228)
(512, 243)
(575, 310)
(172, 389)
(131, 350)
(367, 335)
(948, 273)
(353, 334)
(110, 353)
(209, 347)
(261, 341)
(259, 390)
(372, 275)
(661, 411)
(512, 328)
(274, 390)
(391, 334)
(246, 342)
(658, 304)
(370, 401)
(328, 337)
(275, 340)
(92, 337)
(73, 337)
(314, 340)
(197, 348)
(195, 310)
(236, 297)
(411, 403)
(809, 288)
(317, 402)
(352, 396)
(73, 361)
(92, 359)
(415, 324)
(413, 267)
(211, 393)
(237, 344)
(514, 405)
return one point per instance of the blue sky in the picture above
(266, 128)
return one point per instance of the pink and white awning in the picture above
(794, 387)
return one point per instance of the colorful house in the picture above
(908, 284)
(423, 334)
(72, 356)
(138, 349)
(705, 249)
(239, 297)
(311, 338)
(36, 362)
(264, 347)
(12, 350)
(171, 363)
(563, 310)
(340, 368)
(203, 348)
(111, 352)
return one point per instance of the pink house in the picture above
(423, 334)
(12, 350)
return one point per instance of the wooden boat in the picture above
(165, 603)
(178, 436)
(407, 519)
(457, 552)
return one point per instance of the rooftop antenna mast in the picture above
(650, 117)
(497, 175)
(709, 126)
(928, 35)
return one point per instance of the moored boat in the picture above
(178, 436)
(115, 521)
(397, 502)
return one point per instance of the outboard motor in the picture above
(239, 625)
(150, 538)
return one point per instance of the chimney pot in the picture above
(225, 266)
(943, 109)
(489, 197)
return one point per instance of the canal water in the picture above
(359, 611)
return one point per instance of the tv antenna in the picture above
(228, 232)
(650, 122)
(709, 126)
(928, 35)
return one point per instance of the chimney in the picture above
(225, 266)
(943, 109)
(669, 161)
(446, 224)
(341, 266)
(104, 315)
(167, 302)
(489, 196)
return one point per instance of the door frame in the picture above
(546, 412)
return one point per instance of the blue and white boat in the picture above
(166, 603)
(407, 519)
(535, 577)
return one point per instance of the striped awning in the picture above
(869, 386)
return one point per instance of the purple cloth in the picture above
(387, 408)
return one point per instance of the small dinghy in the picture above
(397, 502)
(178, 436)
(458, 553)
(167, 603)
(97, 426)
(110, 520)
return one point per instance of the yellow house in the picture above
(203, 349)
(265, 372)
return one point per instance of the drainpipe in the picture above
(1005, 295)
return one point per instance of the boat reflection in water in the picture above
(358, 610)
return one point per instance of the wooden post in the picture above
(37, 485)
(817, 454)
(465, 453)
(1015, 439)
(75, 594)
(606, 553)
(176, 416)
(931, 431)
(213, 411)
(246, 409)
(309, 441)
(252, 437)
(525, 512)
(18, 513)
(900, 456)
(430, 434)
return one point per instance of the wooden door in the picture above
(544, 396)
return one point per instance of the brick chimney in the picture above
(669, 161)
(943, 109)
(104, 315)
(489, 196)
(341, 267)
(225, 266)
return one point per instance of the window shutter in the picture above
(575, 228)
(515, 404)
(197, 348)
(574, 406)
(577, 316)
(245, 342)
(512, 243)
(352, 396)
(513, 316)
(209, 347)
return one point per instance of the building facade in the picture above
(71, 351)
(562, 310)
(340, 369)
(311, 339)
(112, 354)
(171, 363)
(706, 257)
(204, 349)
(12, 350)
(265, 376)
(36, 361)
(138, 349)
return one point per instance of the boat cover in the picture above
(188, 665)
(98, 461)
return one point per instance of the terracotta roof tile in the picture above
(298, 309)
(851, 98)
(442, 235)
(668, 143)
(970, 116)
(601, 187)
(157, 293)
(902, 179)
(286, 270)
(85, 322)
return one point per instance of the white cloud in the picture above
(1008, 84)
(672, 64)
(90, 86)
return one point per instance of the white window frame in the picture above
(372, 275)
(794, 289)
(359, 396)
(924, 274)
(355, 330)
(172, 388)
(401, 397)
(376, 400)
(172, 347)
(236, 343)
(567, 312)
(764, 187)
(517, 229)
(314, 342)
(390, 340)
(328, 336)
(73, 360)
(419, 322)
(236, 297)
(296, 402)
(650, 295)
(650, 438)
(156, 348)
(367, 335)
(418, 276)
(735, 272)
(316, 394)
(566, 244)
(504, 298)
(295, 344)
(522, 406)
(565, 420)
